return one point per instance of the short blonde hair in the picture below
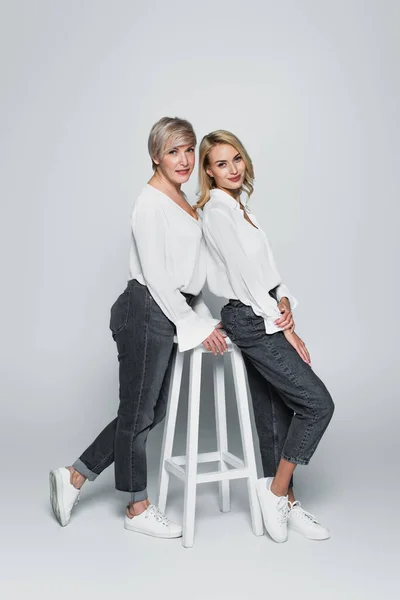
(167, 133)
(206, 183)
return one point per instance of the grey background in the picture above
(312, 89)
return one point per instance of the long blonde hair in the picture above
(206, 183)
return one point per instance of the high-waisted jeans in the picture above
(145, 344)
(292, 407)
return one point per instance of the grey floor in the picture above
(95, 557)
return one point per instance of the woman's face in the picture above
(177, 164)
(226, 166)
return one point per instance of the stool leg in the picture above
(169, 428)
(222, 433)
(192, 441)
(247, 438)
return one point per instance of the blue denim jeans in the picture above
(145, 344)
(292, 407)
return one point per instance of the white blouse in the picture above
(240, 262)
(168, 255)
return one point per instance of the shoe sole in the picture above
(157, 535)
(56, 486)
(315, 539)
(264, 513)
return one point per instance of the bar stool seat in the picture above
(230, 466)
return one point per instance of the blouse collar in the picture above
(228, 199)
(224, 197)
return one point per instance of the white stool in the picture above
(173, 465)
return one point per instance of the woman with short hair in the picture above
(292, 406)
(162, 299)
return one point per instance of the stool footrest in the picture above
(204, 457)
(174, 469)
(222, 475)
(232, 460)
(174, 466)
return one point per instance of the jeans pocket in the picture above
(247, 323)
(228, 319)
(159, 323)
(244, 317)
(257, 323)
(120, 312)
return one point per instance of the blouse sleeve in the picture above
(201, 309)
(148, 226)
(221, 233)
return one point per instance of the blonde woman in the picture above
(292, 407)
(162, 299)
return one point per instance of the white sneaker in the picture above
(153, 522)
(275, 510)
(63, 495)
(305, 523)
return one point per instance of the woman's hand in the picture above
(216, 341)
(285, 322)
(298, 345)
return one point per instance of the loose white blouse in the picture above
(240, 263)
(168, 255)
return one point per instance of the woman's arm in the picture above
(149, 226)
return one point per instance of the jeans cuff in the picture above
(296, 461)
(84, 470)
(139, 496)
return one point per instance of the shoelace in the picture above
(303, 513)
(159, 516)
(283, 508)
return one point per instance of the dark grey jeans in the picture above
(145, 344)
(292, 407)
